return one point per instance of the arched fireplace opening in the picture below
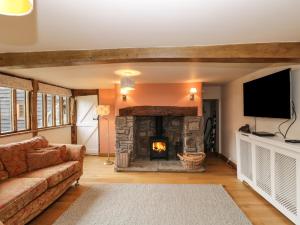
(159, 144)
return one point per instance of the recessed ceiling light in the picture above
(127, 72)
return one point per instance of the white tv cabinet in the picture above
(272, 168)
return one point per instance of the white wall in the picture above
(15, 138)
(211, 92)
(57, 135)
(232, 109)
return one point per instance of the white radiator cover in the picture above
(272, 168)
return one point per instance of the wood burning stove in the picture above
(159, 147)
(159, 143)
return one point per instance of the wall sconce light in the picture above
(124, 93)
(193, 91)
(127, 85)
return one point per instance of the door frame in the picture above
(84, 92)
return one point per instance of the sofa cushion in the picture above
(1, 166)
(36, 142)
(13, 157)
(55, 174)
(37, 159)
(3, 175)
(64, 153)
(42, 202)
(16, 193)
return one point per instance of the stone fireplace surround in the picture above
(136, 125)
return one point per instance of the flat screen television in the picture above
(269, 96)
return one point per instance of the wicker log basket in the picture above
(192, 161)
(123, 159)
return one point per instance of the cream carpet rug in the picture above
(154, 204)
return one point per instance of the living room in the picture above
(149, 112)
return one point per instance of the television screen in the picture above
(268, 96)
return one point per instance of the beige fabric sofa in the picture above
(25, 192)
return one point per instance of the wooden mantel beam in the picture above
(238, 53)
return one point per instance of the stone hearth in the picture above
(140, 165)
(183, 128)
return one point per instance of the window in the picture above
(6, 121)
(14, 115)
(57, 111)
(40, 109)
(51, 110)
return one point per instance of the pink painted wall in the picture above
(161, 95)
(145, 95)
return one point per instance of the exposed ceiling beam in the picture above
(239, 53)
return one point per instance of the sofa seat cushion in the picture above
(55, 174)
(16, 193)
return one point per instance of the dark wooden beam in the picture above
(33, 101)
(14, 111)
(73, 117)
(84, 92)
(237, 53)
(158, 111)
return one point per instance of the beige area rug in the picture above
(154, 204)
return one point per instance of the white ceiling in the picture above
(102, 24)
(103, 76)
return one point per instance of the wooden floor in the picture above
(259, 211)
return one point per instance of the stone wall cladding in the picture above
(124, 134)
(193, 134)
(145, 128)
(173, 127)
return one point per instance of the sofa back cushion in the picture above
(64, 153)
(37, 159)
(13, 157)
(3, 173)
(35, 143)
(1, 166)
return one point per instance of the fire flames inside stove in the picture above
(159, 146)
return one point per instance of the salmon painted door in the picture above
(87, 126)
